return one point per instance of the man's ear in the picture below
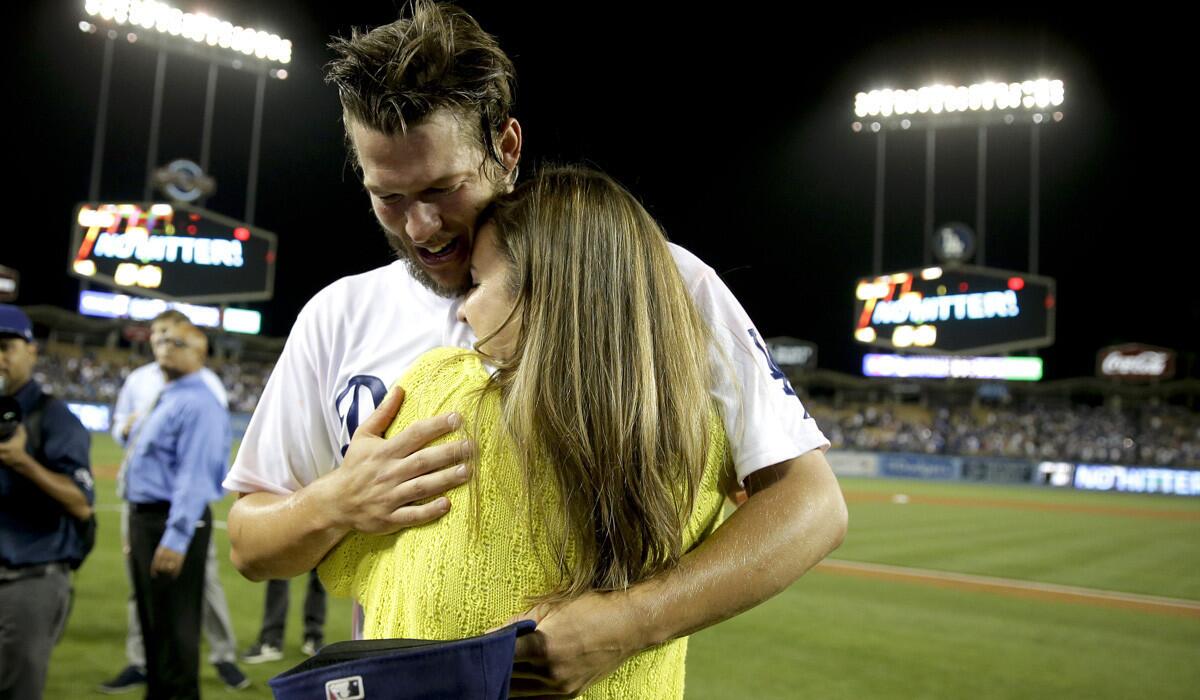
(510, 145)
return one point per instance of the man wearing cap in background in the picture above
(174, 469)
(46, 494)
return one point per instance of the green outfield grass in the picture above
(834, 636)
(838, 636)
(1121, 542)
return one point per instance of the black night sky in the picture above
(731, 124)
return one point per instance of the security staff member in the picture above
(46, 495)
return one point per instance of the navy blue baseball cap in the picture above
(475, 668)
(13, 321)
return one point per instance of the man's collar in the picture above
(28, 395)
(185, 380)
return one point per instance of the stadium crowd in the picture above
(1147, 434)
(88, 377)
(1158, 435)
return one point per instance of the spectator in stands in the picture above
(1151, 435)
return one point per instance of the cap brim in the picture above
(464, 669)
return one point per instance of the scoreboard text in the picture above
(957, 310)
(173, 251)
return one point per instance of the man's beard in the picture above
(402, 245)
(418, 271)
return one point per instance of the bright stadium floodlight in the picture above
(980, 103)
(201, 30)
(1030, 103)
(196, 35)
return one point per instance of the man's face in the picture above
(17, 358)
(178, 348)
(159, 329)
(427, 188)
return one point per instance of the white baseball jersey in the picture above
(358, 335)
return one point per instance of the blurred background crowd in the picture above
(1146, 432)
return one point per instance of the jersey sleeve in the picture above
(764, 419)
(287, 444)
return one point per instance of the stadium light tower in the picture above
(169, 29)
(1032, 102)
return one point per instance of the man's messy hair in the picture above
(435, 57)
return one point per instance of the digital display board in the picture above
(172, 251)
(962, 310)
(109, 305)
(1056, 474)
(1111, 477)
(1013, 369)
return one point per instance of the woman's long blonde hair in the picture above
(608, 385)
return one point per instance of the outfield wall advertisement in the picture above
(851, 463)
(912, 466)
(1112, 477)
(997, 470)
(1003, 470)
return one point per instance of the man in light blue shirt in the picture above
(174, 468)
(137, 397)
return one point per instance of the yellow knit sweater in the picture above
(476, 567)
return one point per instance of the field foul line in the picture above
(1015, 587)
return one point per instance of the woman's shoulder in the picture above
(440, 381)
(442, 365)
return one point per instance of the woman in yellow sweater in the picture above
(600, 458)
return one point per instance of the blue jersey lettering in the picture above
(353, 388)
(776, 373)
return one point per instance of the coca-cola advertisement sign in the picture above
(1136, 362)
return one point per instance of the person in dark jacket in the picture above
(46, 496)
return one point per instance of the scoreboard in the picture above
(172, 251)
(956, 310)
